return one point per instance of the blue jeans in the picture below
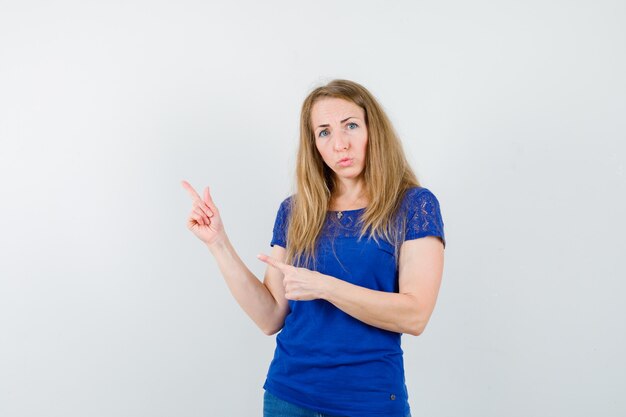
(275, 407)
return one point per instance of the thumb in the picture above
(208, 199)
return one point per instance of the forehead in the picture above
(332, 110)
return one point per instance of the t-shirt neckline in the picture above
(347, 211)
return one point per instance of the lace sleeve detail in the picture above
(424, 215)
(279, 236)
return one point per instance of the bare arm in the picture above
(409, 310)
(420, 273)
(265, 302)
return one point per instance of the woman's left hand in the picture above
(300, 283)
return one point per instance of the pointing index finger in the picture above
(194, 195)
(271, 261)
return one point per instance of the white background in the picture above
(511, 112)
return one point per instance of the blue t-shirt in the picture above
(325, 359)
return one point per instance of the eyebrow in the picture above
(344, 120)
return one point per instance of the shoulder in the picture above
(281, 222)
(287, 203)
(289, 200)
(285, 207)
(417, 197)
(423, 214)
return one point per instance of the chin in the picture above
(349, 176)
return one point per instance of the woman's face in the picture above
(340, 135)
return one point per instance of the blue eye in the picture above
(350, 125)
(323, 133)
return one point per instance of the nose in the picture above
(341, 142)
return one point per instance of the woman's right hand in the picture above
(204, 220)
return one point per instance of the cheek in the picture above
(325, 153)
(364, 147)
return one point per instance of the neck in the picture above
(349, 193)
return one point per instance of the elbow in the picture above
(272, 323)
(270, 330)
(416, 328)
(415, 331)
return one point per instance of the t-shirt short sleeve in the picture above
(424, 215)
(279, 236)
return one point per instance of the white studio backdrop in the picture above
(511, 112)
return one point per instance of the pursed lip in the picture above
(345, 162)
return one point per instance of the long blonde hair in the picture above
(387, 176)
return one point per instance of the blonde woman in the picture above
(356, 261)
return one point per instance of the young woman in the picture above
(356, 261)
